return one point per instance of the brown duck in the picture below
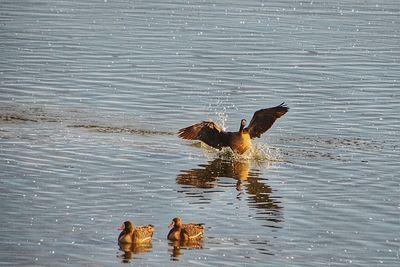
(214, 136)
(185, 232)
(130, 234)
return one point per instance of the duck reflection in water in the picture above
(177, 246)
(129, 250)
(258, 194)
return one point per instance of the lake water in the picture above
(92, 94)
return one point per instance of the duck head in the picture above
(243, 123)
(127, 226)
(176, 222)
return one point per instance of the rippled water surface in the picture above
(92, 94)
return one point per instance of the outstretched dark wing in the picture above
(206, 131)
(264, 118)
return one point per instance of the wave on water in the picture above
(110, 129)
(339, 148)
(13, 115)
(18, 115)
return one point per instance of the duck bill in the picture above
(171, 225)
(121, 228)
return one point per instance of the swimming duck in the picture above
(185, 232)
(214, 136)
(130, 234)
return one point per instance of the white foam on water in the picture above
(261, 154)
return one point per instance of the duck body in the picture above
(240, 142)
(185, 232)
(135, 235)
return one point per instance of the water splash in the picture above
(260, 154)
(264, 152)
(220, 111)
(222, 118)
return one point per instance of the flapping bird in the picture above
(132, 234)
(185, 232)
(214, 136)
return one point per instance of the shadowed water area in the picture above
(92, 94)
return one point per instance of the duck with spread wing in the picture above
(214, 136)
